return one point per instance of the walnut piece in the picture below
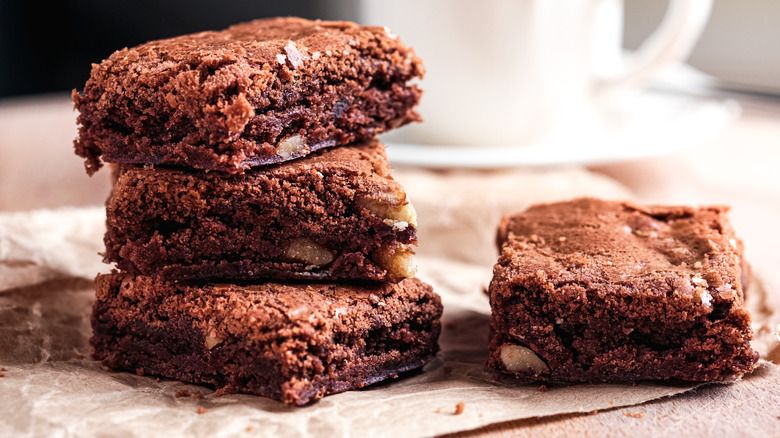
(305, 251)
(292, 146)
(398, 261)
(392, 207)
(213, 341)
(520, 359)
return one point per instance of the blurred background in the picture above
(48, 46)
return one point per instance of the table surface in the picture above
(39, 170)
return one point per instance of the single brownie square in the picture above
(256, 93)
(335, 214)
(597, 291)
(291, 342)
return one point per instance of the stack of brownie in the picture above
(261, 244)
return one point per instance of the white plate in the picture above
(642, 125)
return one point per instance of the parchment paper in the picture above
(51, 387)
(40, 245)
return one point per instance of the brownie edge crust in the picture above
(597, 291)
(294, 342)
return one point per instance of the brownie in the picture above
(291, 342)
(335, 214)
(597, 291)
(256, 93)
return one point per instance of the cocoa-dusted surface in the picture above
(200, 225)
(291, 342)
(225, 100)
(609, 291)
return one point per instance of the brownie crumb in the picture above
(202, 410)
(196, 396)
(1, 374)
(543, 388)
(139, 371)
(635, 414)
(78, 356)
(459, 408)
(220, 392)
(182, 393)
(3, 369)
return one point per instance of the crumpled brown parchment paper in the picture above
(52, 388)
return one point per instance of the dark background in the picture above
(49, 46)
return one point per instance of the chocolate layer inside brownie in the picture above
(290, 342)
(590, 290)
(256, 93)
(334, 214)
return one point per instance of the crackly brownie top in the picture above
(596, 243)
(269, 310)
(284, 40)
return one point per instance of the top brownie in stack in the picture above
(591, 290)
(256, 93)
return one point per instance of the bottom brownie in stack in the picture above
(293, 342)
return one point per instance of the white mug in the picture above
(514, 72)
